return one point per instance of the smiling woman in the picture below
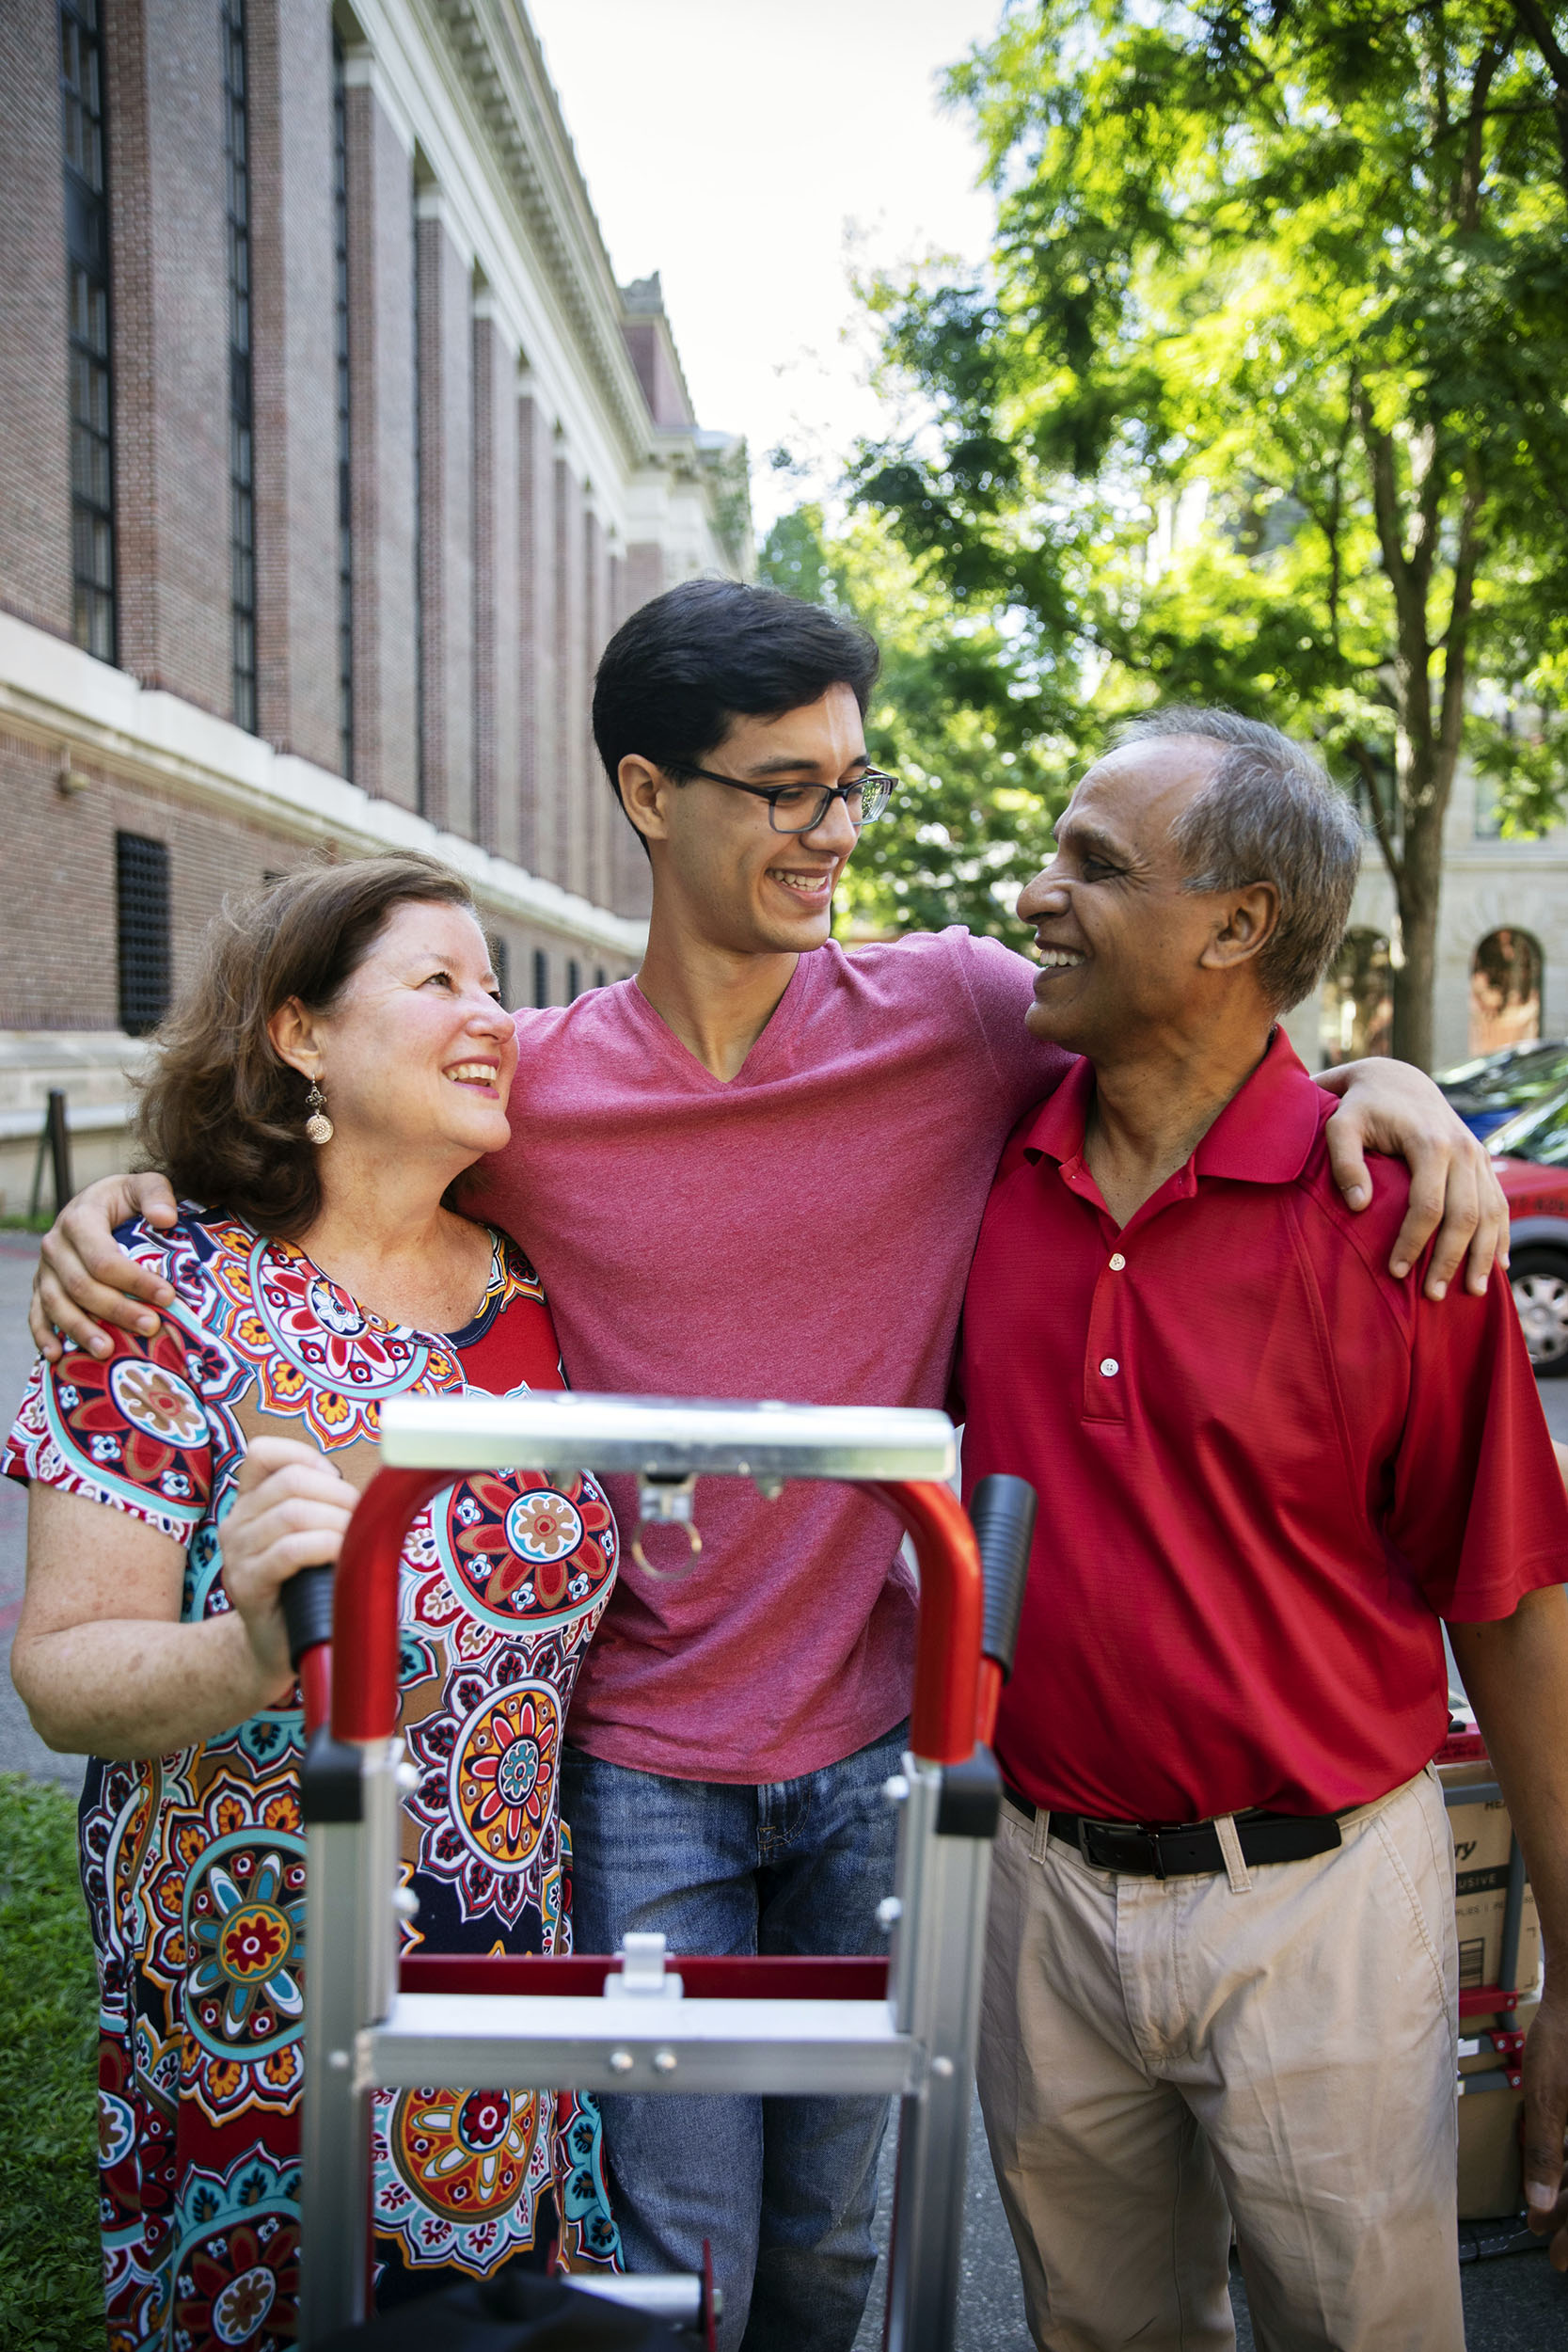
(224, 1107)
(338, 1063)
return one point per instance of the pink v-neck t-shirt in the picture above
(802, 1232)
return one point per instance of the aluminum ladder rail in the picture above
(640, 2032)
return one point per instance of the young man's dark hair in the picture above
(688, 663)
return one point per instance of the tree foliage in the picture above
(1262, 399)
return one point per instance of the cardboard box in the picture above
(1491, 2168)
(1482, 1837)
(1491, 2171)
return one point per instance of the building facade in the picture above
(330, 455)
(1502, 946)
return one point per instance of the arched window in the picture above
(1356, 1013)
(1505, 991)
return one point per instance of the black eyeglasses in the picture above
(801, 808)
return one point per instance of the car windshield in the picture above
(1508, 1081)
(1540, 1133)
(1464, 1074)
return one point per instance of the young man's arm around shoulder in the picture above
(1383, 1106)
(1387, 1107)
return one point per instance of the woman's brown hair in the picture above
(221, 1113)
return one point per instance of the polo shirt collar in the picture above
(1262, 1136)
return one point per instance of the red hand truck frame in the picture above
(762, 2026)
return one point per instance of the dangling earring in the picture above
(318, 1127)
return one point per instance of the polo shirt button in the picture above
(1117, 1263)
(1109, 1366)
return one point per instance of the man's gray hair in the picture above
(1268, 813)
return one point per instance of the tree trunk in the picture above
(1427, 757)
(1418, 888)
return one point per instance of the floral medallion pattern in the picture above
(159, 1404)
(467, 2154)
(236, 2265)
(502, 1779)
(194, 1865)
(312, 1353)
(244, 1929)
(542, 1557)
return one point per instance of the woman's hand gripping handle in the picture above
(291, 1513)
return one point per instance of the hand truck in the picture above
(768, 2025)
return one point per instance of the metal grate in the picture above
(86, 246)
(242, 447)
(541, 977)
(345, 487)
(141, 905)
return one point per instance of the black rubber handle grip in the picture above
(1001, 1513)
(307, 1609)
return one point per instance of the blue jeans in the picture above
(784, 2189)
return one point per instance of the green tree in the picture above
(1262, 399)
(974, 739)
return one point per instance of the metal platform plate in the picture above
(512, 2042)
(665, 1437)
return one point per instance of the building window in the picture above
(241, 453)
(500, 964)
(345, 487)
(601, 977)
(541, 977)
(574, 979)
(86, 248)
(141, 908)
(1356, 1008)
(1505, 991)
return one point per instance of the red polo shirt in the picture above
(1266, 1470)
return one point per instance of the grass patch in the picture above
(50, 2279)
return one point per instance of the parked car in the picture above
(1487, 1092)
(1532, 1154)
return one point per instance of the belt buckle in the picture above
(1153, 1836)
(1109, 1858)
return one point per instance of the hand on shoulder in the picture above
(85, 1280)
(1387, 1106)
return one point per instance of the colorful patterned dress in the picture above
(194, 1864)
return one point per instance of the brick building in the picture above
(330, 455)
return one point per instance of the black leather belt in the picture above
(1188, 1848)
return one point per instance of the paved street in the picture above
(1516, 2305)
(21, 1749)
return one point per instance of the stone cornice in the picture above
(55, 695)
(504, 71)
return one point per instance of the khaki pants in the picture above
(1280, 2045)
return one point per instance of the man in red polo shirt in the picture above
(1267, 1473)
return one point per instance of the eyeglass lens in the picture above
(800, 808)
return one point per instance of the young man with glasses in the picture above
(758, 1169)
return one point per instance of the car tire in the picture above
(1539, 1278)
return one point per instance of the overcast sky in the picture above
(741, 148)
